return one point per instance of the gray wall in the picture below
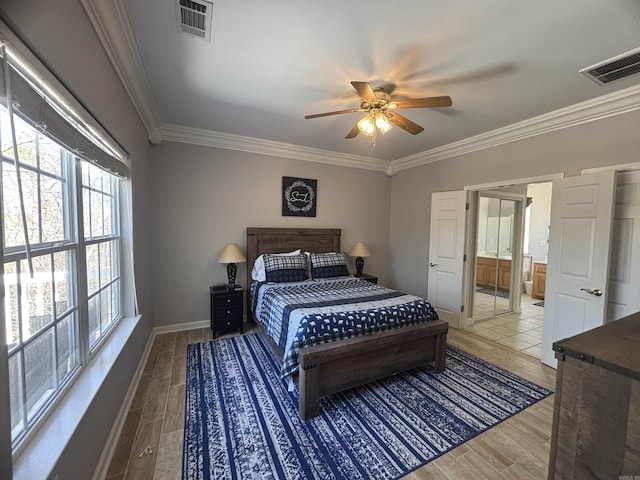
(221, 192)
(61, 35)
(610, 141)
(539, 220)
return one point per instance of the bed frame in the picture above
(344, 364)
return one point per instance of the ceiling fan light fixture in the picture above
(379, 111)
(367, 125)
(372, 120)
(382, 123)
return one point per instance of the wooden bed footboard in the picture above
(339, 366)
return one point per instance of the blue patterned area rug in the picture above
(241, 422)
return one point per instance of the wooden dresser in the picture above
(596, 416)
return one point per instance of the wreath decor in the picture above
(299, 196)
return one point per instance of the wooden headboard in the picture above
(281, 240)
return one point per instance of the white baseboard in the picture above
(181, 326)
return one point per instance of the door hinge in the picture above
(461, 308)
(464, 257)
(466, 206)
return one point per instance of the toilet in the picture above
(528, 286)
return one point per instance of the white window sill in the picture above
(39, 457)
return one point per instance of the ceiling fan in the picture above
(381, 111)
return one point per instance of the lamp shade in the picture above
(231, 254)
(359, 250)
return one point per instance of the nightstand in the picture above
(226, 309)
(367, 277)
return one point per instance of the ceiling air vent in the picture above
(194, 18)
(615, 68)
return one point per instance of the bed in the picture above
(342, 364)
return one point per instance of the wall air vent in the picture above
(615, 68)
(194, 18)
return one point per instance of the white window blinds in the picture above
(38, 108)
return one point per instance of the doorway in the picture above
(507, 313)
(498, 249)
(494, 250)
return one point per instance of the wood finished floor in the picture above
(150, 445)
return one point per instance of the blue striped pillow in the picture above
(285, 268)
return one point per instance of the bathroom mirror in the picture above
(494, 256)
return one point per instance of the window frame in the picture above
(74, 244)
(115, 236)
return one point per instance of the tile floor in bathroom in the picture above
(519, 331)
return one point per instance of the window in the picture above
(102, 247)
(59, 308)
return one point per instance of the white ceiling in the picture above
(268, 64)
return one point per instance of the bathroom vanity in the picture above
(490, 270)
(539, 280)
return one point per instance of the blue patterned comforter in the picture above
(301, 314)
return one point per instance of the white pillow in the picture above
(258, 273)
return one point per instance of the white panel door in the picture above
(446, 255)
(624, 267)
(577, 269)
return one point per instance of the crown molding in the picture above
(111, 23)
(208, 138)
(616, 103)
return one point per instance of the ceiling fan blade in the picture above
(353, 133)
(404, 123)
(326, 114)
(424, 102)
(365, 91)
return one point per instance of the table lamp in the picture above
(231, 255)
(359, 250)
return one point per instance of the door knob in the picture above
(431, 264)
(596, 292)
